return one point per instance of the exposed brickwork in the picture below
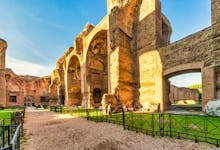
(182, 95)
(130, 50)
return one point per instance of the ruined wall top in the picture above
(215, 11)
(3, 44)
(117, 3)
(3, 47)
(78, 43)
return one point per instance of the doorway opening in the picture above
(185, 91)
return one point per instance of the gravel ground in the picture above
(51, 131)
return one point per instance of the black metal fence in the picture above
(10, 138)
(11, 129)
(195, 127)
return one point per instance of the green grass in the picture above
(6, 115)
(195, 127)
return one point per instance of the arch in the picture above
(100, 27)
(74, 82)
(175, 71)
(97, 95)
(29, 100)
(97, 67)
(183, 68)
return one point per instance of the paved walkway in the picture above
(51, 131)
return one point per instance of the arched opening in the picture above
(97, 95)
(185, 90)
(97, 68)
(29, 100)
(74, 82)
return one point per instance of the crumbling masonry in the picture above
(130, 50)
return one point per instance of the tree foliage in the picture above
(196, 86)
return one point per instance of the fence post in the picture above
(8, 134)
(170, 124)
(18, 141)
(123, 118)
(161, 124)
(23, 111)
(22, 125)
(61, 109)
(12, 115)
(152, 123)
(96, 115)
(87, 113)
(206, 126)
(196, 139)
(3, 136)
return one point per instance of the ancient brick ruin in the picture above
(130, 50)
(183, 96)
(18, 90)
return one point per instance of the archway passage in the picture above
(29, 100)
(74, 82)
(185, 91)
(97, 95)
(97, 68)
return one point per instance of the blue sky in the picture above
(39, 31)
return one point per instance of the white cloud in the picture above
(186, 80)
(21, 67)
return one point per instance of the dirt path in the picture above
(51, 131)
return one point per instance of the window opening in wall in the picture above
(13, 99)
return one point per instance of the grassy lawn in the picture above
(6, 115)
(195, 127)
(198, 128)
(7, 131)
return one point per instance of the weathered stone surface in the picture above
(213, 108)
(181, 95)
(215, 11)
(192, 49)
(150, 71)
(209, 86)
(130, 49)
(110, 103)
(26, 89)
(3, 46)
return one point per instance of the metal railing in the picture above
(11, 129)
(195, 127)
(15, 142)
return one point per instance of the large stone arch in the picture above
(178, 70)
(97, 68)
(74, 96)
(193, 53)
